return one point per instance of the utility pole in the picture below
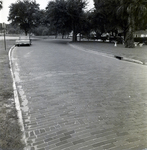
(4, 28)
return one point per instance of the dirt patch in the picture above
(10, 133)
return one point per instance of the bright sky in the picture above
(43, 3)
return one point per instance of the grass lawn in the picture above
(10, 134)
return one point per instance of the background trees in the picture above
(121, 14)
(76, 14)
(134, 13)
(0, 9)
(60, 16)
(105, 16)
(57, 17)
(0, 5)
(64, 16)
(24, 14)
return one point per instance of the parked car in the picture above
(23, 40)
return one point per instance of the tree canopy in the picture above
(134, 12)
(105, 16)
(65, 16)
(127, 15)
(0, 5)
(24, 14)
(57, 17)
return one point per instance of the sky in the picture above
(43, 3)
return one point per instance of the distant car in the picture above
(23, 40)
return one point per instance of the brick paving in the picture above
(77, 100)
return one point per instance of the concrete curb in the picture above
(129, 59)
(115, 56)
(133, 60)
(16, 99)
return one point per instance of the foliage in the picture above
(85, 24)
(105, 16)
(57, 16)
(24, 14)
(1, 5)
(141, 40)
(127, 15)
(40, 30)
(65, 16)
(134, 12)
(13, 29)
(75, 12)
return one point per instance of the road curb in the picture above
(115, 56)
(129, 59)
(132, 60)
(16, 99)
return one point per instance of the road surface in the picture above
(75, 99)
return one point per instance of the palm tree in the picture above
(134, 12)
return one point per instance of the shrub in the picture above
(141, 40)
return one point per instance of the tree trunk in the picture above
(124, 32)
(80, 37)
(129, 38)
(26, 32)
(56, 35)
(74, 38)
(62, 36)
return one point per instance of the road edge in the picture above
(110, 56)
(91, 51)
(16, 99)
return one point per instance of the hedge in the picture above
(141, 40)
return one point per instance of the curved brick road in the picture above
(79, 100)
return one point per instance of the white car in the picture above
(23, 40)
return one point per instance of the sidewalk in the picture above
(138, 53)
(9, 129)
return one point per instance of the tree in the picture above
(41, 30)
(127, 15)
(42, 17)
(57, 17)
(85, 26)
(1, 5)
(13, 29)
(75, 12)
(104, 16)
(24, 14)
(134, 12)
(65, 16)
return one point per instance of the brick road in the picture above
(76, 100)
